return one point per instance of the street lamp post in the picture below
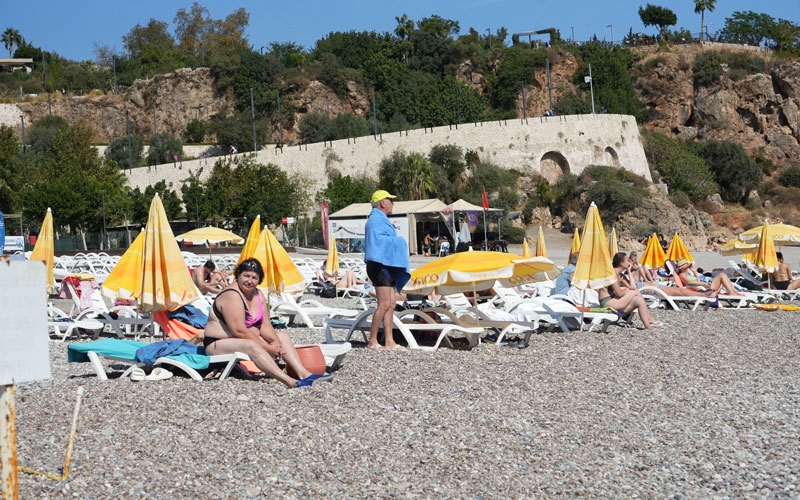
(588, 79)
(573, 33)
(22, 120)
(105, 235)
(612, 33)
(489, 37)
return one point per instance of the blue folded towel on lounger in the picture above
(127, 349)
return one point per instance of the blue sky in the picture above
(73, 28)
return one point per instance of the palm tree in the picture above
(405, 27)
(416, 179)
(700, 7)
(10, 38)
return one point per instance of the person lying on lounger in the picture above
(692, 279)
(622, 267)
(239, 322)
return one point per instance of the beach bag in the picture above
(328, 291)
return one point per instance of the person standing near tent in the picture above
(386, 256)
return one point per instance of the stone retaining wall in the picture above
(546, 145)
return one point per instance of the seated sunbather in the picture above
(346, 279)
(782, 277)
(239, 322)
(627, 301)
(208, 279)
(622, 267)
(692, 279)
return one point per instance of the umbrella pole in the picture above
(485, 233)
(583, 308)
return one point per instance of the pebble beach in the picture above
(707, 406)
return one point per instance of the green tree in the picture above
(313, 126)
(451, 159)
(790, 177)
(163, 148)
(41, 133)
(10, 38)
(661, 17)
(237, 130)
(611, 78)
(450, 102)
(679, 168)
(416, 178)
(700, 7)
(342, 191)
(516, 68)
(117, 150)
(346, 125)
(736, 173)
(195, 131)
(748, 27)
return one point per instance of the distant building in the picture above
(11, 65)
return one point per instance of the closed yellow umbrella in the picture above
(477, 270)
(251, 242)
(526, 250)
(45, 250)
(677, 250)
(594, 269)
(166, 282)
(541, 248)
(125, 280)
(280, 272)
(613, 245)
(576, 244)
(332, 262)
(765, 257)
(653, 255)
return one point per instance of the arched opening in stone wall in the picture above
(611, 157)
(553, 165)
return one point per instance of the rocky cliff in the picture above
(761, 111)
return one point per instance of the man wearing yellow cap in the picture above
(386, 256)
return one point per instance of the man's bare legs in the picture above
(384, 315)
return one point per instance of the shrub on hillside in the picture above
(790, 177)
(163, 149)
(707, 69)
(736, 173)
(195, 131)
(117, 150)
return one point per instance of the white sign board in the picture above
(14, 244)
(24, 344)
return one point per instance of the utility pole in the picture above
(458, 104)
(374, 115)
(549, 87)
(130, 148)
(253, 119)
(588, 79)
(524, 106)
(280, 121)
(155, 131)
(22, 120)
(105, 234)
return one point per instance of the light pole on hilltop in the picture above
(489, 37)
(588, 79)
(105, 235)
(573, 33)
(612, 33)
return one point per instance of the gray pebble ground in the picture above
(706, 407)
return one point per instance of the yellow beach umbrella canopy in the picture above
(166, 282)
(613, 244)
(280, 272)
(677, 250)
(332, 262)
(594, 269)
(251, 242)
(653, 255)
(208, 235)
(737, 247)
(526, 250)
(782, 234)
(125, 280)
(541, 248)
(477, 270)
(45, 250)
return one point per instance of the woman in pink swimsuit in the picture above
(239, 322)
